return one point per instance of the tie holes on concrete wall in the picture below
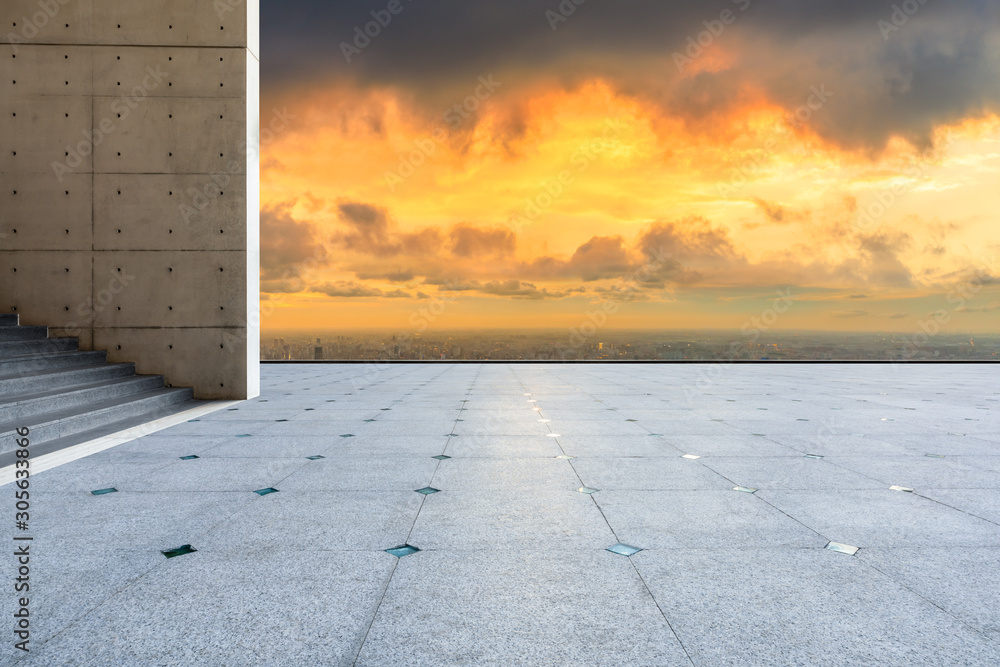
(67, 270)
(170, 347)
(118, 347)
(170, 307)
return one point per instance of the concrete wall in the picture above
(129, 190)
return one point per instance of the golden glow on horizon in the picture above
(558, 168)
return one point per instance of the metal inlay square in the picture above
(587, 490)
(179, 551)
(315, 458)
(565, 457)
(441, 457)
(901, 488)
(264, 492)
(347, 435)
(693, 457)
(101, 492)
(744, 489)
(402, 550)
(842, 548)
(624, 549)
(428, 490)
(188, 458)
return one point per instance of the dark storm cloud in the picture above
(940, 65)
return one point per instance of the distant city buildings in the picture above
(628, 346)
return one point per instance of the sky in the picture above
(829, 165)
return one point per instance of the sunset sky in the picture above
(522, 164)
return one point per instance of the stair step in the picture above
(8, 320)
(25, 408)
(49, 446)
(31, 363)
(66, 423)
(23, 333)
(40, 381)
(37, 347)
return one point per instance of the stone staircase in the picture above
(65, 396)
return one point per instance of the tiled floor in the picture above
(512, 567)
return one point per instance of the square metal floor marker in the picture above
(692, 457)
(267, 491)
(315, 458)
(402, 550)
(101, 492)
(744, 489)
(587, 490)
(901, 488)
(813, 456)
(179, 551)
(427, 490)
(842, 548)
(623, 549)
(441, 457)
(188, 458)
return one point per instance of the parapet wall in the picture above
(129, 189)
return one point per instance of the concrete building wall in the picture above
(129, 190)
